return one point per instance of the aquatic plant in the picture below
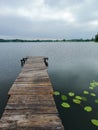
(64, 97)
(94, 122)
(78, 99)
(56, 93)
(71, 94)
(91, 87)
(93, 94)
(96, 101)
(65, 104)
(85, 92)
(88, 108)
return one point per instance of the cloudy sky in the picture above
(52, 19)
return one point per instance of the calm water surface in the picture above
(72, 66)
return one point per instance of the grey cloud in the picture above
(23, 28)
(83, 10)
(15, 3)
(63, 3)
(11, 25)
(86, 12)
(20, 26)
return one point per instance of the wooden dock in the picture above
(31, 104)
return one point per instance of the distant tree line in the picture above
(38, 40)
(57, 40)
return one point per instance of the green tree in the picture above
(96, 37)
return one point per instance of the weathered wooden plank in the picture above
(31, 105)
(36, 59)
(33, 69)
(34, 73)
(43, 111)
(35, 65)
(31, 102)
(29, 98)
(40, 72)
(35, 110)
(34, 105)
(30, 90)
(32, 79)
(31, 122)
(18, 85)
(35, 81)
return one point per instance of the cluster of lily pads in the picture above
(77, 99)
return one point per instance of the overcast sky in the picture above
(52, 19)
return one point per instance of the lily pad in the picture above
(93, 94)
(64, 97)
(85, 92)
(56, 93)
(71, 94)
(77, 101)
(96, 101)
(92, 84)
(91, 87)
(88, 108)
(96, 84)
(94, 122)
(78, 97)
(65, 105)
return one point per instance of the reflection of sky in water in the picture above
(72, 66)
(78, 75)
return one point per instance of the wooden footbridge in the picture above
(31, 104)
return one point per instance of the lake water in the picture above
(72, 66)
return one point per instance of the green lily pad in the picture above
(85, 92)
(96, 84)
(56, 93)
(64, 97)
(91, 88)
(92, 84)
(77, 101)
(88, 108)
(96, 101)
(65, 105)
(71, 94)
(78, 97)
(93, 94)
(94, 122)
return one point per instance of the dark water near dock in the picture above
(72, 66)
